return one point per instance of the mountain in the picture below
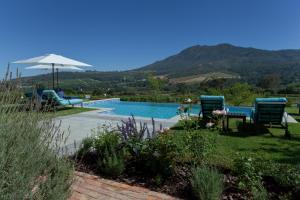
(198, 63)
(247, 63)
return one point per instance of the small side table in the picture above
(235, 115)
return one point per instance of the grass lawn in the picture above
(267, 143)
(70, 111)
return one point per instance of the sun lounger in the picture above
(51, 97)
(270, 111)
(209, 104)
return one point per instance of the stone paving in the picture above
(89, 187)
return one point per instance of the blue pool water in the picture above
(149, 109)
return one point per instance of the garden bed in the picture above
(170, 162)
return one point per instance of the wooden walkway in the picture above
(92, 187)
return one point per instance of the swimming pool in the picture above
(149, 109)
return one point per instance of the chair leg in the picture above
(286, 127)
(287, 133)
(223, 124)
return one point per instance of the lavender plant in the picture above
(30, 141)
(134, 136)
(129, 129)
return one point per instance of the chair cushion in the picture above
(74, 101)
(270, 100)
(207, 97)
(269, 110)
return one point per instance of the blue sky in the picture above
(125, 34)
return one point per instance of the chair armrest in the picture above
(285, 117)
(200, 113)
(252, 113)
(226, 109)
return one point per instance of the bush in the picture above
(106, 141)
(135, 137)
(87, 145)
(189, 124)
(285, 175)
(111, 163)
(237, 94)
(155, 159)
(207, 183)
(109, 151)
(162, 154)
(30, 142)
(249, 177)
(201, 144)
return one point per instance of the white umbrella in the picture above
(53, 60)
(55, 67)
(47, 67)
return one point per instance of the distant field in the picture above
(203, 77)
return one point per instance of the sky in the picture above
(126, 34)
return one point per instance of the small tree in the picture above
(269, 81)
(155, 84)
(240, 93)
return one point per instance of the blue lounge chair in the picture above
(51, 97)
(270, 111)
(209, 104)
(61, 94)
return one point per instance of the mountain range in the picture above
(248, 63)
(201, 61)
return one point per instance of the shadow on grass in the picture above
(249, 130)
(288, 155)
(246, 130)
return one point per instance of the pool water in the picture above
(149, 109)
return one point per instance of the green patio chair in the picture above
(270, 111)
(50, 97)
(209, 104)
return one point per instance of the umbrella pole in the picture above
(57, 77)
(53, 80)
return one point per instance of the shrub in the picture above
(30, 142)
(111, 163)
(134, 136)
(109, 151)
(163, 153)
(87, 145)
(249, 177)
(106, 141)
(285, 175)
(129, 129)
(201, 144)
(189, 124)
(237, 94)
(207, 183)
(155, 159)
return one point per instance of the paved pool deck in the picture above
(81, 125)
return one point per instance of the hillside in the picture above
(249, 63)
(198, 63)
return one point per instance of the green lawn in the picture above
(70, 111)
(267, 143)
